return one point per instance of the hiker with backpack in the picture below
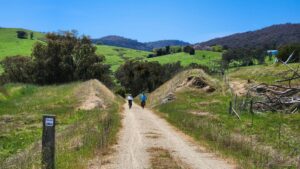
(143, 99)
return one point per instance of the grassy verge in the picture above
(205, 117)
(79, 133)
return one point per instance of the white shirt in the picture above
(129, 98)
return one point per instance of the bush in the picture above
(18, 69)
(151, 55)
(217, 48)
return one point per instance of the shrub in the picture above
(18, 69)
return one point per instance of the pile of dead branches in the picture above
(283, 98)
(275, 98)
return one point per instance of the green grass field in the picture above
(10, 45)
(21, 110)
(116, 56)
(207, 58)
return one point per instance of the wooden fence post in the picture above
(48, 142)
(230, 107)
(251, 111)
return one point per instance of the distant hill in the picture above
(120, 41)
(163, 43)
(269, 37)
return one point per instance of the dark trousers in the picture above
(130, 103)
(143, 103)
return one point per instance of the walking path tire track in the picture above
(143, 130)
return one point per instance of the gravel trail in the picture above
(143, 130)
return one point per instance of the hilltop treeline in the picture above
(63, 57)
(247, 56)
(172, 49)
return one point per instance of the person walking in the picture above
(130, 99)
(143, 99)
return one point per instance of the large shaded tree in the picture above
(139, 76)
(63, 57)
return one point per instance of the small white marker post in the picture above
(48, 142)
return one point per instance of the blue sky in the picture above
(149, 20)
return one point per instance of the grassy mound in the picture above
(189, 78)
(80, 133)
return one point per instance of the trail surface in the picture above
(143, 130)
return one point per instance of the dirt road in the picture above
(144, 133)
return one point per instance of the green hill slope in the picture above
(201, 57)
(115, 56)
(10, 45)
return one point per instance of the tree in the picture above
(137, 76)
(245, 56)
(67, 58)
(22, 34)
(168, 50)
(62, 58)
(31, 35)
(189, 49)
(286, 51)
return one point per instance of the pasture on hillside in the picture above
(207, 58)
(116, 56)
(10, 45)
